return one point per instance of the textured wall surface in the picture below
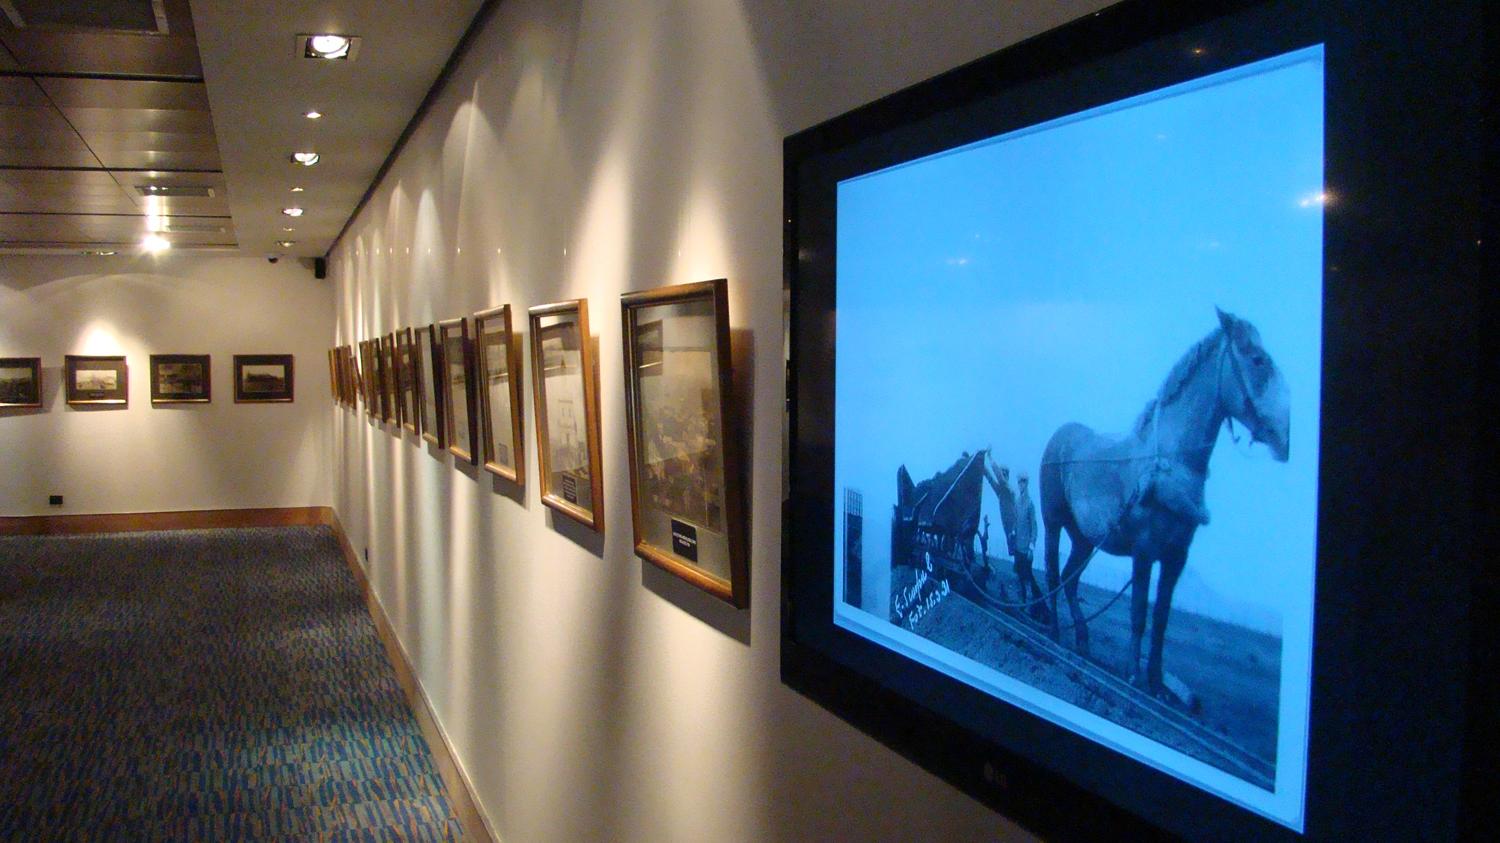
(586, 149)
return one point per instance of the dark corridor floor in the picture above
(202, 685)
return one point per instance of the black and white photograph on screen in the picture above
(1077, 409)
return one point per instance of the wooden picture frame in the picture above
(686, 476)
(333, 374)
(346, 377)
(373, 389)
(406, 389)
(181, 379)
(362, 374)
(498, 383)
(382, 377)
(102, 380)
(458, 391)
(567, 429)
(430, 386)
(264, 379)
(372, 380)
(391, 403)
(20, 382)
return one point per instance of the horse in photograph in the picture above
(1141, 496)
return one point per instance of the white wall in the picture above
(585, 149)
(142, 458)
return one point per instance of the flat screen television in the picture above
(1083, 428)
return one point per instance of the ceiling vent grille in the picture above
(174, 190)
(137, 16)
(194, 227)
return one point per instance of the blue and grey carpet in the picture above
(202, 685)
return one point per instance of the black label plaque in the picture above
(570, 488)
(685, 540)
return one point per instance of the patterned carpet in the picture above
(202, 685)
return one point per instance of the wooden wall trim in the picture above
(193, 519)
(476, 826)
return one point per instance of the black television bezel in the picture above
(1403, 593)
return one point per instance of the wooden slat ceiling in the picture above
(98, 102)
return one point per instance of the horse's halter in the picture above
(1250, 409)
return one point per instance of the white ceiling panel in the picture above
(260, 89)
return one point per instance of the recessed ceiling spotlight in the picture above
(287, 228)
(306, 159)
(286, 244)
(292, 212)
(100, 253)
(328, 46)
(155, 243)
(313, 115)
(297, 189)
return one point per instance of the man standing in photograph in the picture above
(1024, 542)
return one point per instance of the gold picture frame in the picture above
(497, 365)
(686, 479)
(566, 389)
(458, 391)
(96, 380)
(434, 422)
(406, 388)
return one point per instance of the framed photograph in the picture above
(406, 381)
(427, 355)
(686, 505)
(383, 408)
(263, 378)
(180, 379)
(346, 376)
(369, 376)
(458, 393)
(333, 374)
(20, 382)
(392, 379)
(567, 411)
(499, 374)
(93, 379)
(1085, 510)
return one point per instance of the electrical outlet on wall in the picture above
(54, 500)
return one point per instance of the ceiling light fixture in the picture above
(306, 159)
(287, 228)
(313, 115)
(297, 189)
(292, 212)
(328, 46)
(155, 243)
(286, 244)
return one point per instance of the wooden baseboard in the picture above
(475, 825)
(195, 519)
